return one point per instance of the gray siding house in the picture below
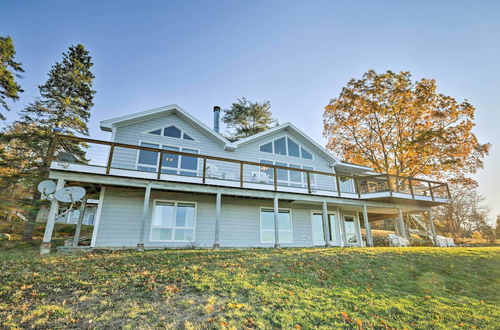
(168, 180)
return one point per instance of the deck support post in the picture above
(79, 223)
(339, 227)
(401, 223)
(218, 202)
(51, 219)
(326, 230)
(145, 210)
(368, 229)
(433, 228)
(276, 223)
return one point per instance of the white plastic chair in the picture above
(260, 177)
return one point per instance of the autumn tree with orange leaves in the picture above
(397, 126)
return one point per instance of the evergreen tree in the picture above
(246, 118)
(65, 103)
(9, 69)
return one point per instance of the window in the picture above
(176, 164)
(268, 147)
(173, 132)
(173, 221)
(293, 148)
(286, 146)
(148, 160)
(171, 163)
(306, 154)
(280, 146)
(267, 226)
(157, 132)
(287, 177)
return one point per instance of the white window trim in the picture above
(286, 148)
(147, 132)
(155, 167)
(174, 227)
(280, 230)
(303, 183)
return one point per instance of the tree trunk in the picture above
(29, 227)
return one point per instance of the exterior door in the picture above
(351, 233)
(318, 235)
(318, 232)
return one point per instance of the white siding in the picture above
(240, 223)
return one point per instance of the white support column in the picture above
(51, 219)
(340, 228)
(326, 229)
(79, 223)
(276, 223)
(145, 210)
(401, 223)
(357, 223)
(433, 228)
(368, 229)
(218, 202)
(97, 217)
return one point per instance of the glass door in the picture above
(318, 235)
(350, 230)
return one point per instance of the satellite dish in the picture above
(47, 187)
(70, 194)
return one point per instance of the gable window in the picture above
(173, 221)
(293, 148)
(267, 226)
(173, 132)
(171, 163)
(268, 147)
(280, 146)
(306, 154)
(286, 146)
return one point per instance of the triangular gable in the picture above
(290, 128)
(110, 124)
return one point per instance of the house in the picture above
(168, 180)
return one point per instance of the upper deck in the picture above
(106, 158)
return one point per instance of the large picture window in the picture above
(287, 177)
(171, 163)
(173, 222)
(267, 226)
(286, 146)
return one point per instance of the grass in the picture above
(260, 288)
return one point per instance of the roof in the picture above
(109, 125)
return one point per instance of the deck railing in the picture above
(160, 163)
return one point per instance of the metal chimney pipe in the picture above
(216, 118)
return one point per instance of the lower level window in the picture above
(173, 221)
(267, 226)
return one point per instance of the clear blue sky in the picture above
(297, 54)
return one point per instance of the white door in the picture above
(351, 234)
(318, 234)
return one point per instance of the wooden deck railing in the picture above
(363, 184)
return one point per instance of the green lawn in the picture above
(289, 288)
